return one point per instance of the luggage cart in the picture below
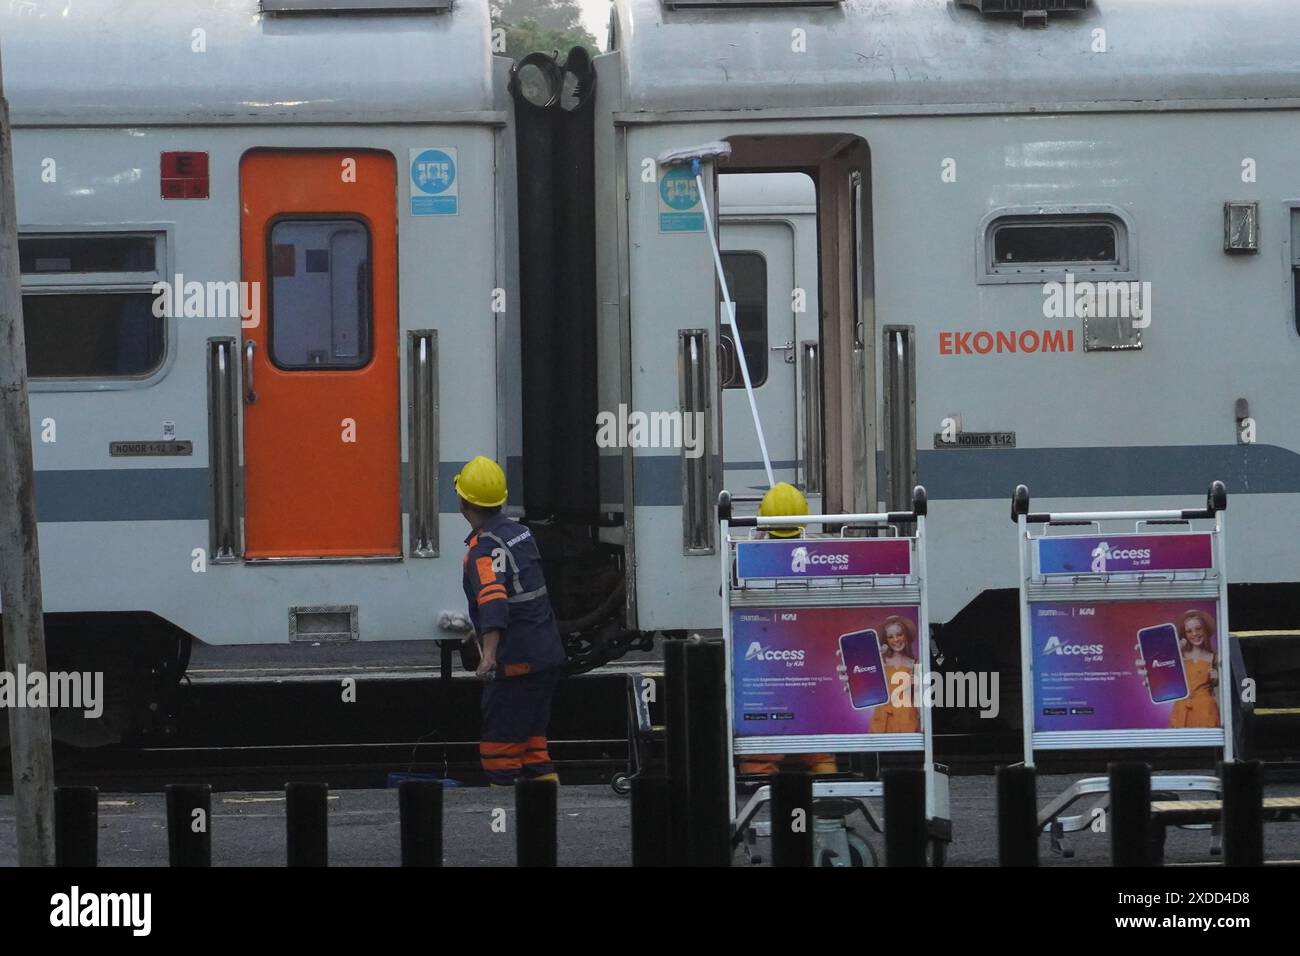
(1092, 605)
(804, 623)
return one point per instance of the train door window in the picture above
(746, 274)
(1028, 247)
(320, 294)
(1295, 266)
(89, 307)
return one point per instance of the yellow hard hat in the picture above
(783, 499)
(482, 483)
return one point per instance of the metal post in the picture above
(709, 802)
(1130, 813)
(650, 821)
(306, 824)
(189, 830)
(792, 819)
(20, 573)
(905, 834)
(1243, 813)
(420, 808)
(76, 826)
(1017, 816)
(676, 749)
(536, 808)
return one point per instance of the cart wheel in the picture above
(621, 784)
(861, 853)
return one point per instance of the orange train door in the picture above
(321, 426)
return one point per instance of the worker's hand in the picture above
(487, 667)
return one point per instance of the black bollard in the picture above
(792, 819)
(676, 749)
(536, 808)
(420, 808)
(306, 827)
(189, 824)
(905, 835)
(1017, 816)
(1243, 813)
(76, 826)
(1130, 814)
(709, 804)
(650, 821)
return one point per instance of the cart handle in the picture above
(1216, 500)
(920, 506)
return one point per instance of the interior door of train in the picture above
(758, 259)
(322, 450)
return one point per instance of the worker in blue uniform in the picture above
(519, 642)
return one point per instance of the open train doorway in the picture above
(768, 229)
(834, 427)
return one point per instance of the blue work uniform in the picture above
(506, 591)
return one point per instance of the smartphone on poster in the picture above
(860, 651)
(1166, 680)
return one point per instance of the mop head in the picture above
(685, 154)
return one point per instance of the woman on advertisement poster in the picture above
(898, 649)
(1196, 631)
(1199, 707)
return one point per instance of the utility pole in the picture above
(20, 571)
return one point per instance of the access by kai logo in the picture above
(801, 559)
(1054, 645)
(1104, 553)
(791, 657)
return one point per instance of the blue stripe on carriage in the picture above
(181, 494)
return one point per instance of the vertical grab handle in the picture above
(223, 439)
(811, 376)
(695, 406)
(423, 440)
(250, 395)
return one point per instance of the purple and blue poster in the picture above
(1125, 665)
(798, 558)
(825, 670)
(1124, 553)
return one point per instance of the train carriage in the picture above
(965, 166)
(266, 462)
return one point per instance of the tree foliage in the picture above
(541, 25)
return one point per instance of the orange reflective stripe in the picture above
(536, 756)
(485, 573)
(488, 748)
(514, 670)
(489, 598)
(536, 743)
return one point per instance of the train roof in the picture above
(131, 62)
(938, 56)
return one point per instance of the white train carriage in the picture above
(963, 164)
(271, 461)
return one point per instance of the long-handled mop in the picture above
(695, 155)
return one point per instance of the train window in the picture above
(320, 293)
(46, 254)
(88, 307)
(1040, 244)
(1295, 266)
(746, 274)
(92, 335)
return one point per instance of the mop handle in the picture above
(731, 318)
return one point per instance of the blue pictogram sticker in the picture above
(679, 202)
(434, 186)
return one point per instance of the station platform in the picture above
(594, 829)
